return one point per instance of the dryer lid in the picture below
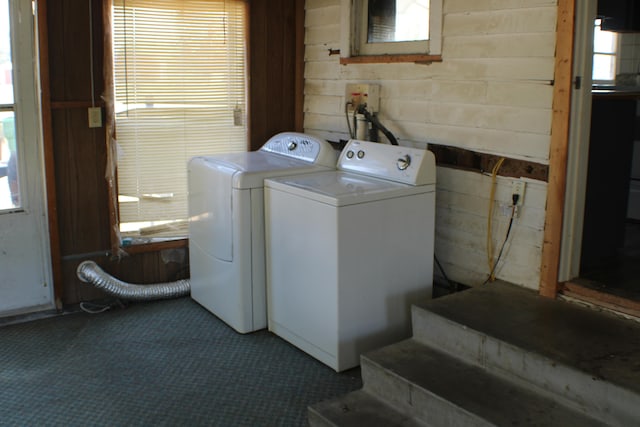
(248, 170)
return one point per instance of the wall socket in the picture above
(95, 117)
(517, 187)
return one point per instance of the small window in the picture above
(9, 176)
(605, 47)
(392, 27)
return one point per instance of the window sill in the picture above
(156, 246)
(389, 59)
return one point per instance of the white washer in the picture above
(348, 252)
(226, 223)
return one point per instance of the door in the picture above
(25, 264)
(578, 142)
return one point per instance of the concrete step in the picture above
(440, 390)
(358, 409)
(587, 360)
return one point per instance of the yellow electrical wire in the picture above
(494, 174)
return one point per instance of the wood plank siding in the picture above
(492, 93)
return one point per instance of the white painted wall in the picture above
(491, 93)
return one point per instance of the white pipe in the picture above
(89, 272)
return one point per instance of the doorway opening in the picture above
(607, 236)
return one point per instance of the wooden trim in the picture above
(559, 149)
(604, 299)
(388, 59)
(49, 162)
(247, 79)
(67, 105)
(155, 247)
(299, 66)
(110, 131)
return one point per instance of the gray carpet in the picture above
(164, 363)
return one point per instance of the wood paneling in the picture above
(78, 155)
(49, 161)
(274, 68)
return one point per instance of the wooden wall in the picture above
(79, 196)
(492, 93)
(276, 31)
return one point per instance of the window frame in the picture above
(119, 246)
(420, 51)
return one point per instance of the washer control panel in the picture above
(393, 162)
(302, 146)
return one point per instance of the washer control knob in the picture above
(292, 145)
(360, 154)
(403, 162)
(349, 154)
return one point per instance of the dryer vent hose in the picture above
(89, 272)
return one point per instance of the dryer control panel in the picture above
(393, 162)
(302, 146)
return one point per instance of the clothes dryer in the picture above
(348, 251)
(226, 223)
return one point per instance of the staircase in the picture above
(498, 355)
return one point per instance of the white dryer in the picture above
(348, 251)
(226, 223)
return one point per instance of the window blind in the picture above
(180, 91)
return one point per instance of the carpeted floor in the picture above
(164, 363)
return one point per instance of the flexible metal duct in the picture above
(89, 272)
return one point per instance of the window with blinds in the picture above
(179, 91)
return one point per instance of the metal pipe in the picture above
(89, 272)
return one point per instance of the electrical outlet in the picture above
(95, 117)
(517, 187)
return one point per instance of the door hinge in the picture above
(577, 82)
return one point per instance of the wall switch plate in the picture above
(95, 117)
(518, 187)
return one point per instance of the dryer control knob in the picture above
(403, 162)
(292, 145)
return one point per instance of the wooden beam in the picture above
(107, 75)
(49, 162)
(299, 66)
(558, 149)
(388, 59)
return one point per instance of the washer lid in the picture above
(251, 168)
(339, 188)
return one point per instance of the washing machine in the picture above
(349, 251)
(226, 223)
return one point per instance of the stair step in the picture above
(441, 390)
(358, 409)
(589, 359)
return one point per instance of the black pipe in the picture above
(377, 125)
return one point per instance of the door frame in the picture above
(49, 161)
(578, 149)
(568, 162)
(559, 148)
